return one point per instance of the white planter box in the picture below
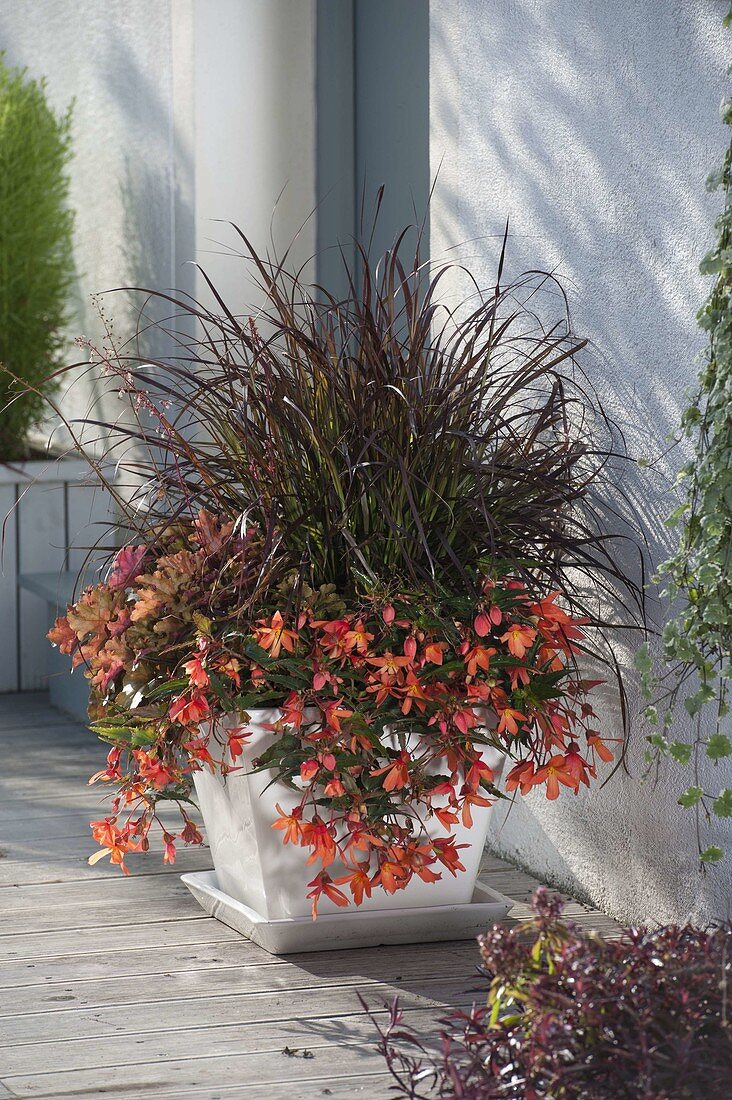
(254, 867)
(50, 516)
(349, 928)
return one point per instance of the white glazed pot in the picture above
(255, 867)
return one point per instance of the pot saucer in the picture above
(354, 928)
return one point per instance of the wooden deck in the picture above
(121, 987)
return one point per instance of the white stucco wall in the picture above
(593, 126)
(185, 111)
(114, 60)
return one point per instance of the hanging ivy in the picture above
(697, 642)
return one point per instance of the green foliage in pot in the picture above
(697, 642)
(381, 514)
(35, 251)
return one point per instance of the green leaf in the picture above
(673, 518)
(168, 688)
(722, 806)
(691, 797)
(220, 687)
(115, 733)
(642, 659)
(704, 695)
(711, 855)
(143, 737)
(681, 752)
(718, 746)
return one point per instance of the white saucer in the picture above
(353, 928)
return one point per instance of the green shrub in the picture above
(35, 250)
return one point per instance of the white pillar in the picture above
(250, 101)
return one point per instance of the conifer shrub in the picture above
(36, 226)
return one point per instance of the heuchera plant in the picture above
(384, 709)
(571, 1016)
(381, 515)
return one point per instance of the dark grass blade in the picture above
(384, 435)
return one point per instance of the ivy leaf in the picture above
(722, 806)
(718, 746)
(695, 702)
(673, 518)
(681, 752)
(642, 658)
(691, 797)
(711, 855)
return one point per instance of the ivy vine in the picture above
(697, 642)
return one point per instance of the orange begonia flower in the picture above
(479, 657)
(273, 636)
(319, 836)
(553, 773)
(389, 665)
(396, 774)
(597, 744)
(291, 824)
(413, 693)
(519, 639)
(189, 710)
(521, 777)
(323, 884)
(509, 719)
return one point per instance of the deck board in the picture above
(121, 988)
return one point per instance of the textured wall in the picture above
(115, 60)
(593, 126)
(186, 111)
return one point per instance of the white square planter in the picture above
(357, 928)
(254, 867)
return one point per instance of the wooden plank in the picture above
(66, 944)
(89, 919)
(41, 819)
(133, 960)
(51, 829)
(8, 593)
(252, 978)
(53, 720)
(52, 789)
(28, 801)
(39, 870)
(73, 1019)
(171, 1045)
(81, 747)
(374, 1085)
(41, 549)
(324, 1075)
(101, 891)
(65, 835)
(34, 713)
(88, 510)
